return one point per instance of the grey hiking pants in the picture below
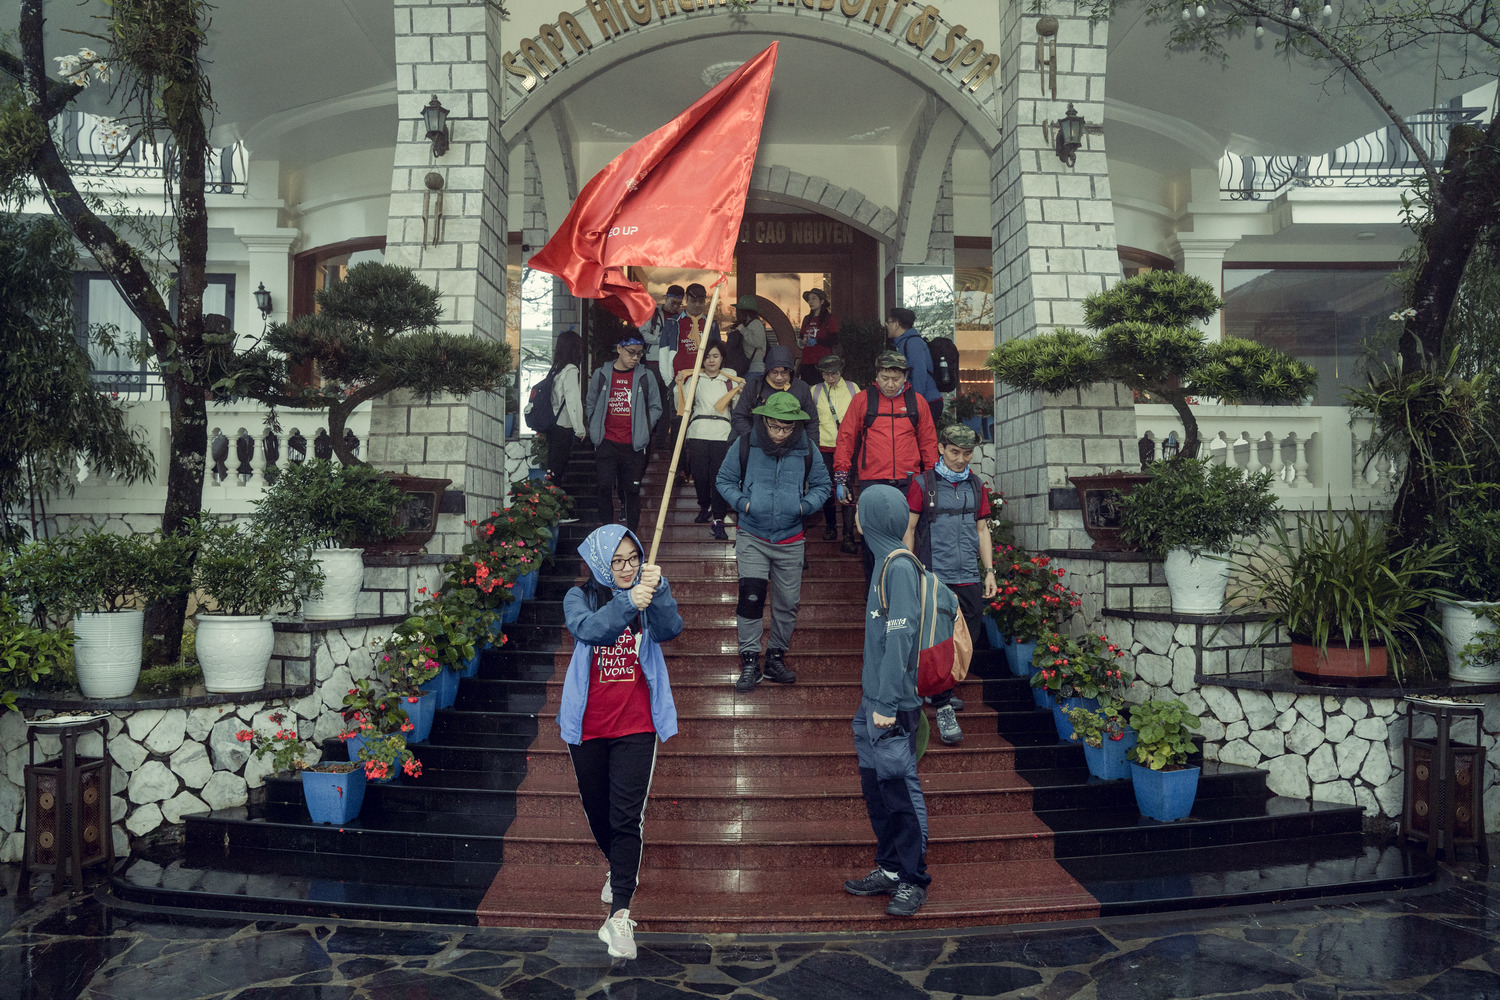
(765, 566)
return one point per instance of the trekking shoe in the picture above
(947, 726)
(717, 530)
(618, 932)
(608, 895)
(749, 673)
(909, 899)
(776, 668)
(704, 516)
(830, 533)
(877, 883)
(848, 544)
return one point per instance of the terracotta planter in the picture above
(1099, 499)
(1339, 664)
(418, 514)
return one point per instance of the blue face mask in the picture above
(953, 477)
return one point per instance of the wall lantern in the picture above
(435, 119)
(263, 301)
(1069, 135)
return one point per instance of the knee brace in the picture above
(752, 602)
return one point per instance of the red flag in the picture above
(675, 198)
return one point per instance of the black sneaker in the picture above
(849, 545)
(776, 668)
(877, 883)
(830, 533)
(704, 516)
(749, 673)
(717, 530)
(909, 899)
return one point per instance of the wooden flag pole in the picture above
(687, 416)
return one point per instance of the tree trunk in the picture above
(185, 471)
(1191, 440)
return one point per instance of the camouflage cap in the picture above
(958, 435)
(891, 359)
(831, 363)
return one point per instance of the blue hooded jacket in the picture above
(771, 502)
(889, 675)
(592, 625)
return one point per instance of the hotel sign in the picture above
(917, 27)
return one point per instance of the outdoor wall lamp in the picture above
(435, 119)
(263, 300)
(1069, 135)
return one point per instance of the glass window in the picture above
(1317, 315)
(111, 333)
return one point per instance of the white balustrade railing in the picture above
(1314, 452)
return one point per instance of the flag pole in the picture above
(687, 416)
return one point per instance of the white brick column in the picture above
(1054, 240)
(1203, 257)
(450, 50)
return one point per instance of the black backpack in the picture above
(733, 347)
(541, 414)
(872, 410)
(944, 363)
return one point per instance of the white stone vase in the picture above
(1197, 583)
(234, 651)
(343, 575)
(107, 652)
(1462, 621)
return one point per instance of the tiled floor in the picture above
(1441, 944)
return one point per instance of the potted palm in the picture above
(245, 573)
(334, 790)
(1165, 786)
(1189, 513)
(338, 510)
(1351, 607)
(1472, 532)
(1079, 672)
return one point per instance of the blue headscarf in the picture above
(599, 548)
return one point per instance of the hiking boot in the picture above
(877, 883)
(704, 516)
(830, 533)
(909, 899)
(776, 668)
(717, 530)
(848, 544)
(618, 933)
(749, 673)
(947, 726)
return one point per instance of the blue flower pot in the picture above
(987, 428)
(471, 665)
(355, 745)
(1020, 654)
(511, 613)
(555, 530)
(445, 686)
(1108, 762)
(1060, 720)
(997, 641)
(1164, 795)
(333, 798)
(536, 474)
(526, 585)
(1040, 696)
(421, 715)
(975, 424)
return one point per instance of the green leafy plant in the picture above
(288, 752)
(974, 403)
(1094, 727)
(331, 505)
(382, 755)
(450, 625)
(1087, 666)
(247, 570)
(1472, 533)
(97, 571)
(375, 711)
(538, 454)
(27, 654)
(1196, 505)
(1484, 649)
(1334, 579)
(408, 660)
(1030, 600)
(1147, 343)
(1163, 734)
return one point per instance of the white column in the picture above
(1203, 257)
(271, 265)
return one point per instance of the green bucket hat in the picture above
(746, 302)
(781, 406)
(891, 359)
(959, 435)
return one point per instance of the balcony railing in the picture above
(89, 152)
(1380, 159)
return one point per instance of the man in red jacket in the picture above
(886, 436)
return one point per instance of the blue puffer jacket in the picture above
(771, 502)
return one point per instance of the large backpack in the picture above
(735, 358)
(944, 363)
(541, 413)
(944, 647)
(872, 410)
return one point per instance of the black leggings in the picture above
(559, 451)
(614, 777)
(704, 459)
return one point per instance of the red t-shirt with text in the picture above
(617, 416)
(619, 698)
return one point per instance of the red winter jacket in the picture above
(893, 450)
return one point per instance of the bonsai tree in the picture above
(331, 505)
(1196, 505)
(1146, 341)
(373, 333)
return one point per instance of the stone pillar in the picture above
(1054, 240)
(450, 50)
(1203, 257)
(270, 265)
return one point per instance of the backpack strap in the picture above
(929, 490)
(885, 604)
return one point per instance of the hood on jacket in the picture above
(599, 548)
(780, 357)
(883, 517)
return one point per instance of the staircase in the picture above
(755, 817)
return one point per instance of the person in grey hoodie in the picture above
(885, 727)
(623, 405)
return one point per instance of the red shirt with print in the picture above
(617, 416)
(689, 336)
(619, 698)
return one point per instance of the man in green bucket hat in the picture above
(773, 479)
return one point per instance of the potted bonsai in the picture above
(1189, 513)
(338, 510)
(1147, 341)
(1106, 738)
(334, 790)
(246, 573)
(1471, 530)
(1079, 672)
(1165, 786)
(1351, 606)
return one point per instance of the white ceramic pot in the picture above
(1197, 583)
(234, 651)
(343, 575)
(1462, 620)
(107, 652)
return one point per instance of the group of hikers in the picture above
(768, 446)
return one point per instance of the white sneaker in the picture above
(607, 895)
(618, 934)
